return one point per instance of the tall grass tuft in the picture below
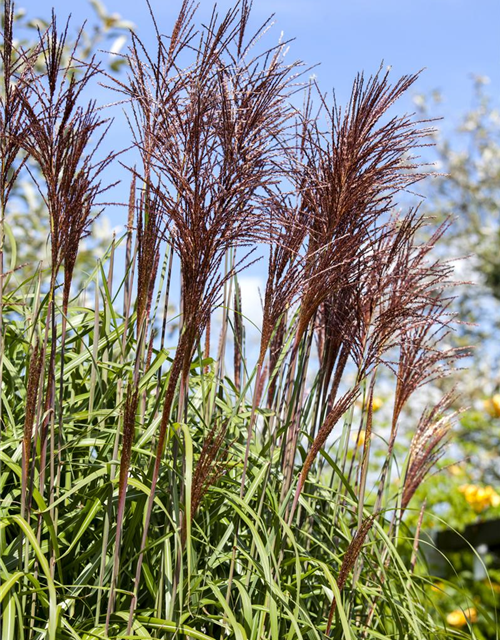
(149, 490)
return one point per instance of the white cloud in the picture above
(252, 288)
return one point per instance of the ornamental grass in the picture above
(157, 482)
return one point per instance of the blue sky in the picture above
(451, 39)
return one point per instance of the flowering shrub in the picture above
(480, 498)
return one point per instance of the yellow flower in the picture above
(481, 494)
(480, 498)
(495, 499)
(471, 614)
(377, 403)
(459, 618)
(496, 403)
(438, 587)
(456, 618)
(456, 470)
(492, 406)
(469, 491)
(361, 438)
